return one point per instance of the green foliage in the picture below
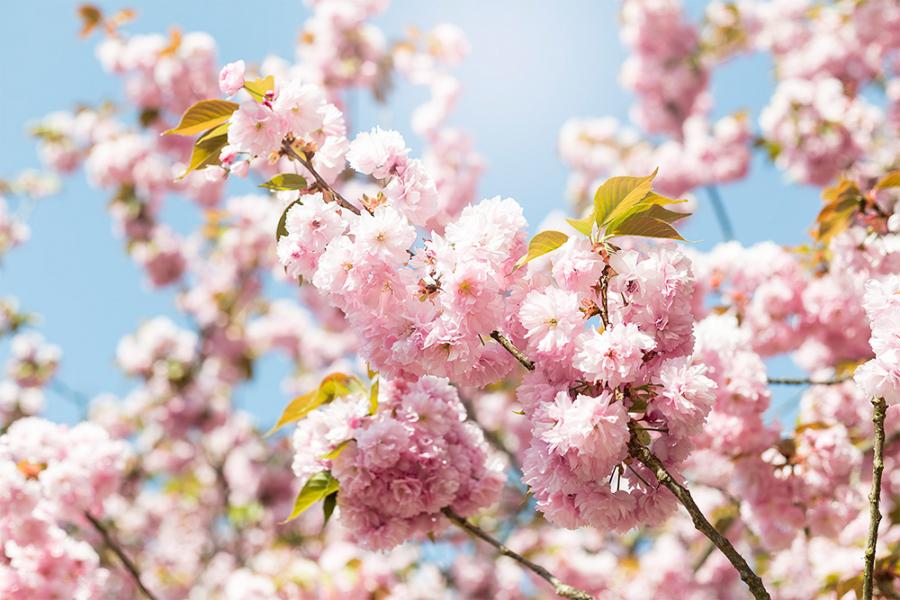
(281, 229)
(585, 225)
(202, 116)
(207, 148)
(654, 222)
(333, 386)
(258, 87)
(541, 244)
(890, 180)
(842, 202)
(618, 195)
(373, 395)
(336, 452)
(328, 507)
(628, 206)
(285, 181)
(318, 487)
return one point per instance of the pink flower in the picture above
(255, 129)
(377, 152)
(551, 317)
(686, 396)
(231, 78)
(593, 429)
(380, 445)
(386, 235)
(413, 192)
(301, 106)
(615, 355)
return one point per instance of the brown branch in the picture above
(723, 526)
(879, 409)
(511, 348)
(561, 589)
(802, 381)
(649, 460)
(343, 202)
(120, 553)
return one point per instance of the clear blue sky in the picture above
(533, 64)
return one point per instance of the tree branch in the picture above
(879, 409)
(649, 460)
(120, 553)
(802, 381)
(343, 202)
(561, 589)
(721, 214)
(511, 348)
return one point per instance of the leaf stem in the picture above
(681, 493)
(120, 553)
(561, 589)
(879, 409)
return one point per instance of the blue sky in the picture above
(533, 65)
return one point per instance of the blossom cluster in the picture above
(403, 464)
(595, 389)
(52, 476)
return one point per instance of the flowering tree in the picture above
(477, 414)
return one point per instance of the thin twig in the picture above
(721, 214)
(343, 202)
(879, 409)
(649, 460)
(803, 381)
(561, 589)
(511, 348)
(123, 558)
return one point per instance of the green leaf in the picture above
(298, 408)
(619, 192)
(890, 180)
(648, 221)
(317, 487)
(333, 386)
(259, 87)
(328, 507)
(373, 396)
(644, 225)
(202, 116)
(851, 584)
(842, 202)
(585, 225)
(541, 244)
(336, 451)
(281, 230)
(207, 149)
(635, 201)
(285, 181)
